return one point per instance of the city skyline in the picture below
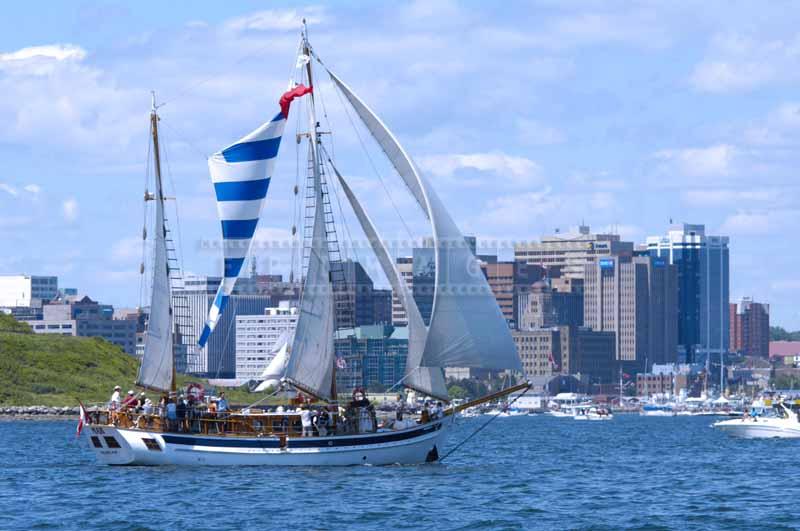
(623, 118)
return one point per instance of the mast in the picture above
(157, 370)
(314, 138)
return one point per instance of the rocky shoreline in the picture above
(38, 413)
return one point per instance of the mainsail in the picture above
(241, 174)
(155, 371)
(467, 328)
(310, 366)
(428, 380)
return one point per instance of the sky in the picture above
(527, 117)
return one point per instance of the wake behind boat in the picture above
(467, 328)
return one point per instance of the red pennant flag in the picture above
(286, 99)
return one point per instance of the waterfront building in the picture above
(405, 266)
(27, 290)
(509, 281)
(373, 356)
(543, 306)
(539, 350)
(191, 301)
(749, 328)
(256, 337)
(671, 379)
(423, 262)
(84, 317)
(703, 288)
(571, 252)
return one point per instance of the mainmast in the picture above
(314, 139)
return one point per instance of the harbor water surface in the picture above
(518, 473)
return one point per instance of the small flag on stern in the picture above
(81, 419)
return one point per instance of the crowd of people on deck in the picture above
(179, 412)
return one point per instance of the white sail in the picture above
(277, 367)
(155, 371)
(427, 380)
(310, 366)
(467, 327)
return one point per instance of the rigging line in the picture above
(476, 432)
(177, 217)
(372, 164)
(180, 136)
(332, 185)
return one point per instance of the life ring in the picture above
(196, 390)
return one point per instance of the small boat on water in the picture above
(657, 410)
(466, 329)
(785, 425)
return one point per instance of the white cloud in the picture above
(760, 222)
(721, 196)
(537, 133)
(737, 62)
(519, 210)
(715, 160)
(513, 171)
(69, 209)
(9, 189)
(602, 200)
(276, 19)
(58, 52)
(34, 189)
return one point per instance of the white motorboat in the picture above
(599, 413)
(786, 426)
(657, 410)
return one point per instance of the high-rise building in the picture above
(405, 266)
(543, 306)
(749, 323)
(571, 252)
(359, 303)
(636, 299)
(191, 301)
(616, 300)
(27, 290)
(509, 281)
(703, 288)
(373, 356)
(539, 350)
(256, 337)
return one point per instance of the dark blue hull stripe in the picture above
(271, 442)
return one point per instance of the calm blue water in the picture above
(519, 473)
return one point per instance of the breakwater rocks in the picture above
(38, 411)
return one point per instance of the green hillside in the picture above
(54, 370)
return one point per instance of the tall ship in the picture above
(466, 327)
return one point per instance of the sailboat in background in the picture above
(467, 328)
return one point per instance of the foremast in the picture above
(157, 369)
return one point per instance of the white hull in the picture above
(761, 428)
(412, 446)
(555, 413)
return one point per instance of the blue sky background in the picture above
(527, 117)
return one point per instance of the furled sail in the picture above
(241, 174)
(155, 371)
(277, 367)
(467, 328)
(310, 366)
(427, 380)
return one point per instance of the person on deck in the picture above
(130, 400)
(180, 410)
(140, 402)
(172, 415)
(222, 403)
(439, 411)
(323, 420)
(114, 403)
(305, 420)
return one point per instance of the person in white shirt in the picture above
(115, 399)
(305, 420)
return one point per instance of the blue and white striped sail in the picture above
(241, 174)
